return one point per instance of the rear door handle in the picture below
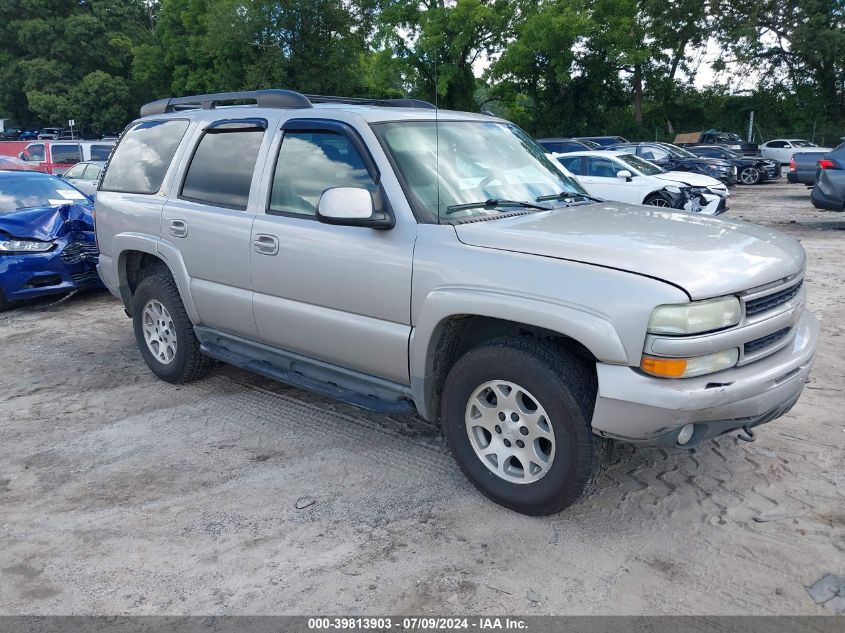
(266, 244)
(178, 228)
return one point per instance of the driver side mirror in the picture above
(627, 175)
(351, 206)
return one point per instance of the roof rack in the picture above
(386, 103)
(287, 99)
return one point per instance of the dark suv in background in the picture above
(829, 191)
(673, 158)
(750, 171)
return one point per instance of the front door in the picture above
(339, 294)
(601, 181)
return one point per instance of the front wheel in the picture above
(516, 414)
(658, 199)
(750, 176)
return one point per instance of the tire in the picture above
(174, 352)
(750, 176)
(658, 199)
(559, 386)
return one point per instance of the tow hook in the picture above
(748, 435)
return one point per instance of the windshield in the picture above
(802, 144)
(26, 192)
(447, 164)
(643, 166)
(677, 151)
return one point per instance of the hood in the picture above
(691, 179)
(705, 256)
(47, 223)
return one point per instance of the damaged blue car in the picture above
(47, 243)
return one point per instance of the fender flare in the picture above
(592, 330)
(172, 258)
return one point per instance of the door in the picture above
(600, 180)
(339, 294)
(780, 151)
(210, 219)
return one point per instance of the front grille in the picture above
(83, 279)
(76, 252)
(765, 341)
(756, 306)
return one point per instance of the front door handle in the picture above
(266, 244)
(178, 228)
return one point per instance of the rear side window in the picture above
(572, 164)
(100, 152)
(141, 159)
(308, 164)
(221, 170)
(66, 154)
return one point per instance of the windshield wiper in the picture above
(495, 202)
(567, 195)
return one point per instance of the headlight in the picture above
(24, 246)
(696, 317)
(689, 367)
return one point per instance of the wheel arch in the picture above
(449, 327)
(140, 256)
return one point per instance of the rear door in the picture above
(208, 218)
(600, 180)
(339, 294)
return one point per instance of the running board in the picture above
(357, 389)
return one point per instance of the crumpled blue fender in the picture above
(70, 265)
(48, 223)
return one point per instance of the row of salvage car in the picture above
(694, 179)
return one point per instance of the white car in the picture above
(782, 149)
(85, 175)
(624, 177)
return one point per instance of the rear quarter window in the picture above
(143, 155)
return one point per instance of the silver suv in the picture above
(398, 257)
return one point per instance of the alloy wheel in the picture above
(159, 331)
(749, 176)
(510, 432)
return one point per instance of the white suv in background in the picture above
(623, 177)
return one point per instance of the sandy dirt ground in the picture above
(120, 494)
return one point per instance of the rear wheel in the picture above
(516, 414)
(164, 333)
(658, 199)
(750, 176)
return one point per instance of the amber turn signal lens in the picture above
(665, 367)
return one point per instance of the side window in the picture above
(34, 153)
(309, 163)
(66, 154)
(572, 164)
(776, 144)
(654, 153)
(221, 169)
(92, 172)
(100, 152)
(601, 167)
(141, 159)
(76, 171)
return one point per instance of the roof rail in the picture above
(386, 103)
(270, 99)
(262, 98)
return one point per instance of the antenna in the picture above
(437, 134)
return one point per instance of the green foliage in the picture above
(556, 67)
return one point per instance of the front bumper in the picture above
(641, 409)
(69, 266)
